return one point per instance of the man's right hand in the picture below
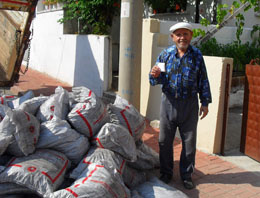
(155, 72)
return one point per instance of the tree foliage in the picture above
(223, 10)
(242, 54)
(96, 16)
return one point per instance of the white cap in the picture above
(180, 26)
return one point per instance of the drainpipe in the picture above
(130, 51)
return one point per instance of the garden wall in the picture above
(80, 60)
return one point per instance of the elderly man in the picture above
(181, 71)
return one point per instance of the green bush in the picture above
(95, 16)
(242, 54)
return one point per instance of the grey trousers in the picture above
(181, 113)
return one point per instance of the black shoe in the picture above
(188, 184)
(166, 178)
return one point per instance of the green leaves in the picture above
(198, 32)
(240, 26)
(236, 4)
(204, 22)
(224, 9)
(256, 28)
(95, 16)
(221, 12)
(242, 54)
(240, 17)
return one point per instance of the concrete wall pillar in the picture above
(130, 50)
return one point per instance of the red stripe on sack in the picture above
(106, 186)
(98, 140)
(89, 94)
(28, 117)
(2, 100)
(52, 107)
(72, 192)
(16, 165)
(140, 126)
(53, 180)
(86, 162)
(86, 122)
(85, 159)
(9, 96)
(91, 173)
(121, 167)
(77, 185)
(31, 129)
(100, 117)
(59, 156)
(127, 123)
(11, 161)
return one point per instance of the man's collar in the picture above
(189, 50)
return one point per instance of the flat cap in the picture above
(180, 26)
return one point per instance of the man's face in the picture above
(182, 38)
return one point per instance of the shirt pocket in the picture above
(189, 76)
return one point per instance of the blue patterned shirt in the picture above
(185, 77)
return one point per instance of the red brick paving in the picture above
(213, 176)
(38, 82)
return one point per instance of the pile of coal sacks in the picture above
(73, 144)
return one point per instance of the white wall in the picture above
(225, 35)
(80, 60)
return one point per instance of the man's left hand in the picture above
(203, 111)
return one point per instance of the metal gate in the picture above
(250, 137)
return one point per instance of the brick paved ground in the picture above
(38, 82)
(213, 176)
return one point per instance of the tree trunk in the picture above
(197, 16)
(215, 5)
